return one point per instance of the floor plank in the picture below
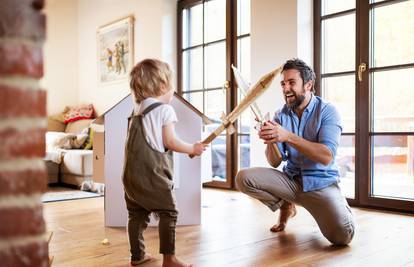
(234, 232)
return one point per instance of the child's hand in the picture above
(198, 148)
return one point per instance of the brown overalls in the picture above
(148, 187)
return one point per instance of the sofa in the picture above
(69, 158)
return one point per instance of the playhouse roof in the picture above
(205, 119)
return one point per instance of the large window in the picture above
(213, 35)
(365, 65)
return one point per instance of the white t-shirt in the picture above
(155, 120)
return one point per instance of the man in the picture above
(307, 132)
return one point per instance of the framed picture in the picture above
(115, 50)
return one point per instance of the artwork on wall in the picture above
(115, 50)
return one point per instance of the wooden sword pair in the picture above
(250, 96)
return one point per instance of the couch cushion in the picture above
(55, 125)
(77, 126)
(78, 162)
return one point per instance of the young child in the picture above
(148, 168)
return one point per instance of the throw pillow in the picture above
(58, 140)
(78, 141)
(89, 141)
(79, 113)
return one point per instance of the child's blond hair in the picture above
(150, 78)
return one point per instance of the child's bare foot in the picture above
(287, 211)
(147, 258)
(171, 261)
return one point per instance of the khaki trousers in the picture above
(327, 206)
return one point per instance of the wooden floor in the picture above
(234, 232)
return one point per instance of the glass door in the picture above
(390, 83)
(364, 63)
(213, 35)
(336, 76)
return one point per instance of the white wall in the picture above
(280, 30)
(154, 36)
(60, 78)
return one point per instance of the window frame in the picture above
(363, 108)
(232, 157)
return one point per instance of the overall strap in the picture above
(151, 107)
(146, 111)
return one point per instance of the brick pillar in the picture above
(22, 128)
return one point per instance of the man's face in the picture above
(293, 88)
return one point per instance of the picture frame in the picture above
(115, 50)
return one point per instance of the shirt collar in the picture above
(311, 104)
(138, 109)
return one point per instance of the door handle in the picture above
(226, 85)
(361, 68)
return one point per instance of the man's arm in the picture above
(273, 132)
(272, 157)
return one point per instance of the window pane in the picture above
(393, 34)
(393, 166)
(375, 1)
(345, 159)
(192, 69)
(215, 65)
(244, 151)
(218, 157)
(244, 119)
(243, 57)
(215, 104)
(215, 20)
(196, 99)
(393, 109)
(193, 26)
(334, 6)
(243, 17)
(338, 44)
(340, 91)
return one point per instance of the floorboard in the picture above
(234, 232)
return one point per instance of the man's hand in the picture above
(272, 132)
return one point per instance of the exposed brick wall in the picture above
(22, 140)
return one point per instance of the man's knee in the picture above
(241, 180)
(342, 236)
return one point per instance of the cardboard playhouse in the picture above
(189, 173)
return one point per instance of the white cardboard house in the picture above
(188, 172)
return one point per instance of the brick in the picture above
(32, 254)
(22, 19)
(23, 182)
(16, 102)
(18, 222)
(28, 144)
(21, 59)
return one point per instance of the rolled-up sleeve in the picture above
(331, 128)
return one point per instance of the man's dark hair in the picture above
(306, 72)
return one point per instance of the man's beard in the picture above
(298, 100)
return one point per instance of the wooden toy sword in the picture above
(244, 88)
(258, 89)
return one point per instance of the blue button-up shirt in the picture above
(321, 123)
